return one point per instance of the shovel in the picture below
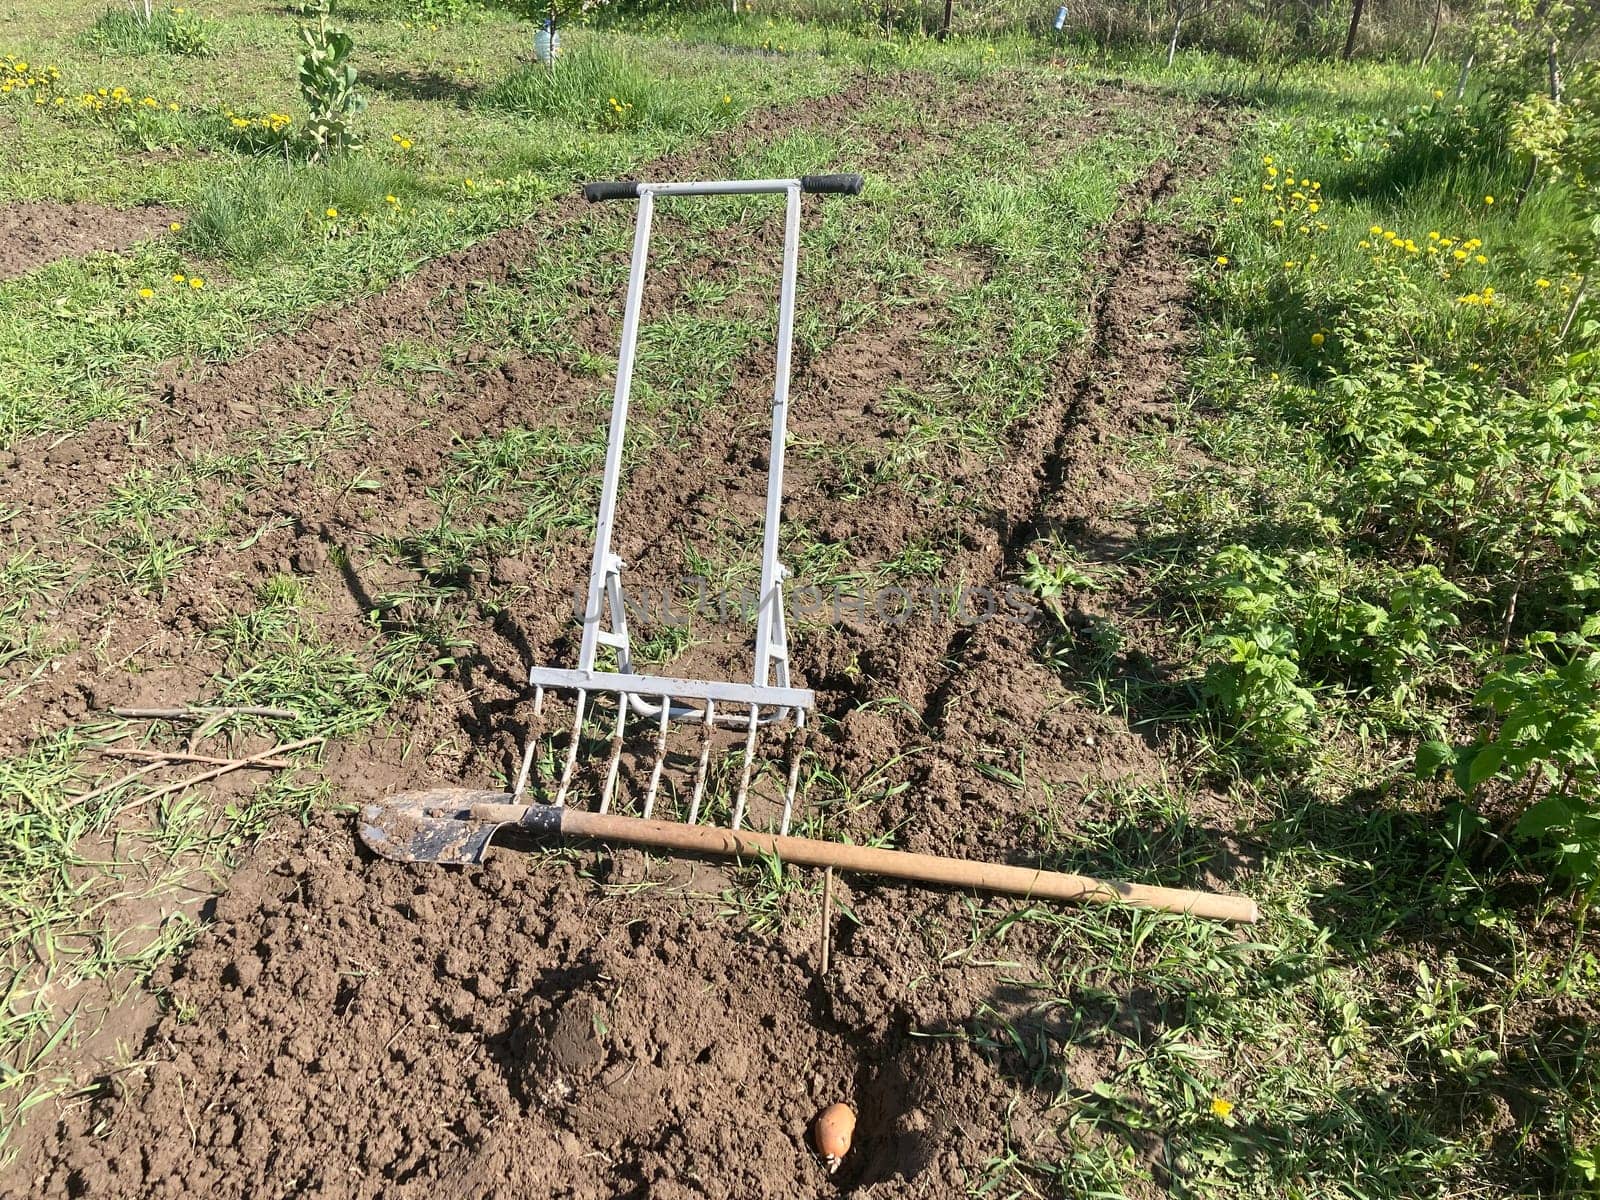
(456, 825)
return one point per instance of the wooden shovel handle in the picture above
(868, 860)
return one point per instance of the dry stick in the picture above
(205, 710)
(130, 777)
(276, 764)
(1572, 313)
(238, 763)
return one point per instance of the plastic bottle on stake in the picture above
(547, 42)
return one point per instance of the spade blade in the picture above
(431, 826)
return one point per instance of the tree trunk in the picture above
(1466, 69)
(944, 29)
(1433, 33)
(1172, 46)
(1355, 25)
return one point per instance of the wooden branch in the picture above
(130, 777)
(276, 764)
(267, 758)
(207, 710)
(254, 760)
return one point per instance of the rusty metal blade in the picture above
(434, 825)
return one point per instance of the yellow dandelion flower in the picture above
(180, 279)
(1480, 259)
(1488, 199)
(1318, 339)
(332, 214)
(147, 292)
(175, 226)
(1376, 231)
(197, 283)
(1238, 199)
(1219, 1107)
(1541, 283)
(1222, 260)
(391, 200)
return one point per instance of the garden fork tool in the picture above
(768, 699)
(456, 825)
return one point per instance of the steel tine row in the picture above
(749, 762)
(792, 750)
(705, 761)
(709, 720)
(572, 750)
(660, 758)
(532, 746)
(615, 757)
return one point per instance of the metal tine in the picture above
(793, 751)
(661, 756)
(572, 750)
(705, 760)
(532, 746)
(749, 762)
(616, 752)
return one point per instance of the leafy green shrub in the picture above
(1283, 621)
(1543, 738)
(140, 30)
(1442, 400)
(328, 86)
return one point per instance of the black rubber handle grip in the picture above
(844, 185)
(614, 189)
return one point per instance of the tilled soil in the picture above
(591, 1023)
(34, 232)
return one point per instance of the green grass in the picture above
(1410, 1019)
(594, 88)
(125, 31)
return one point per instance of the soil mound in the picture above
(35, 232)
(369, 1031)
